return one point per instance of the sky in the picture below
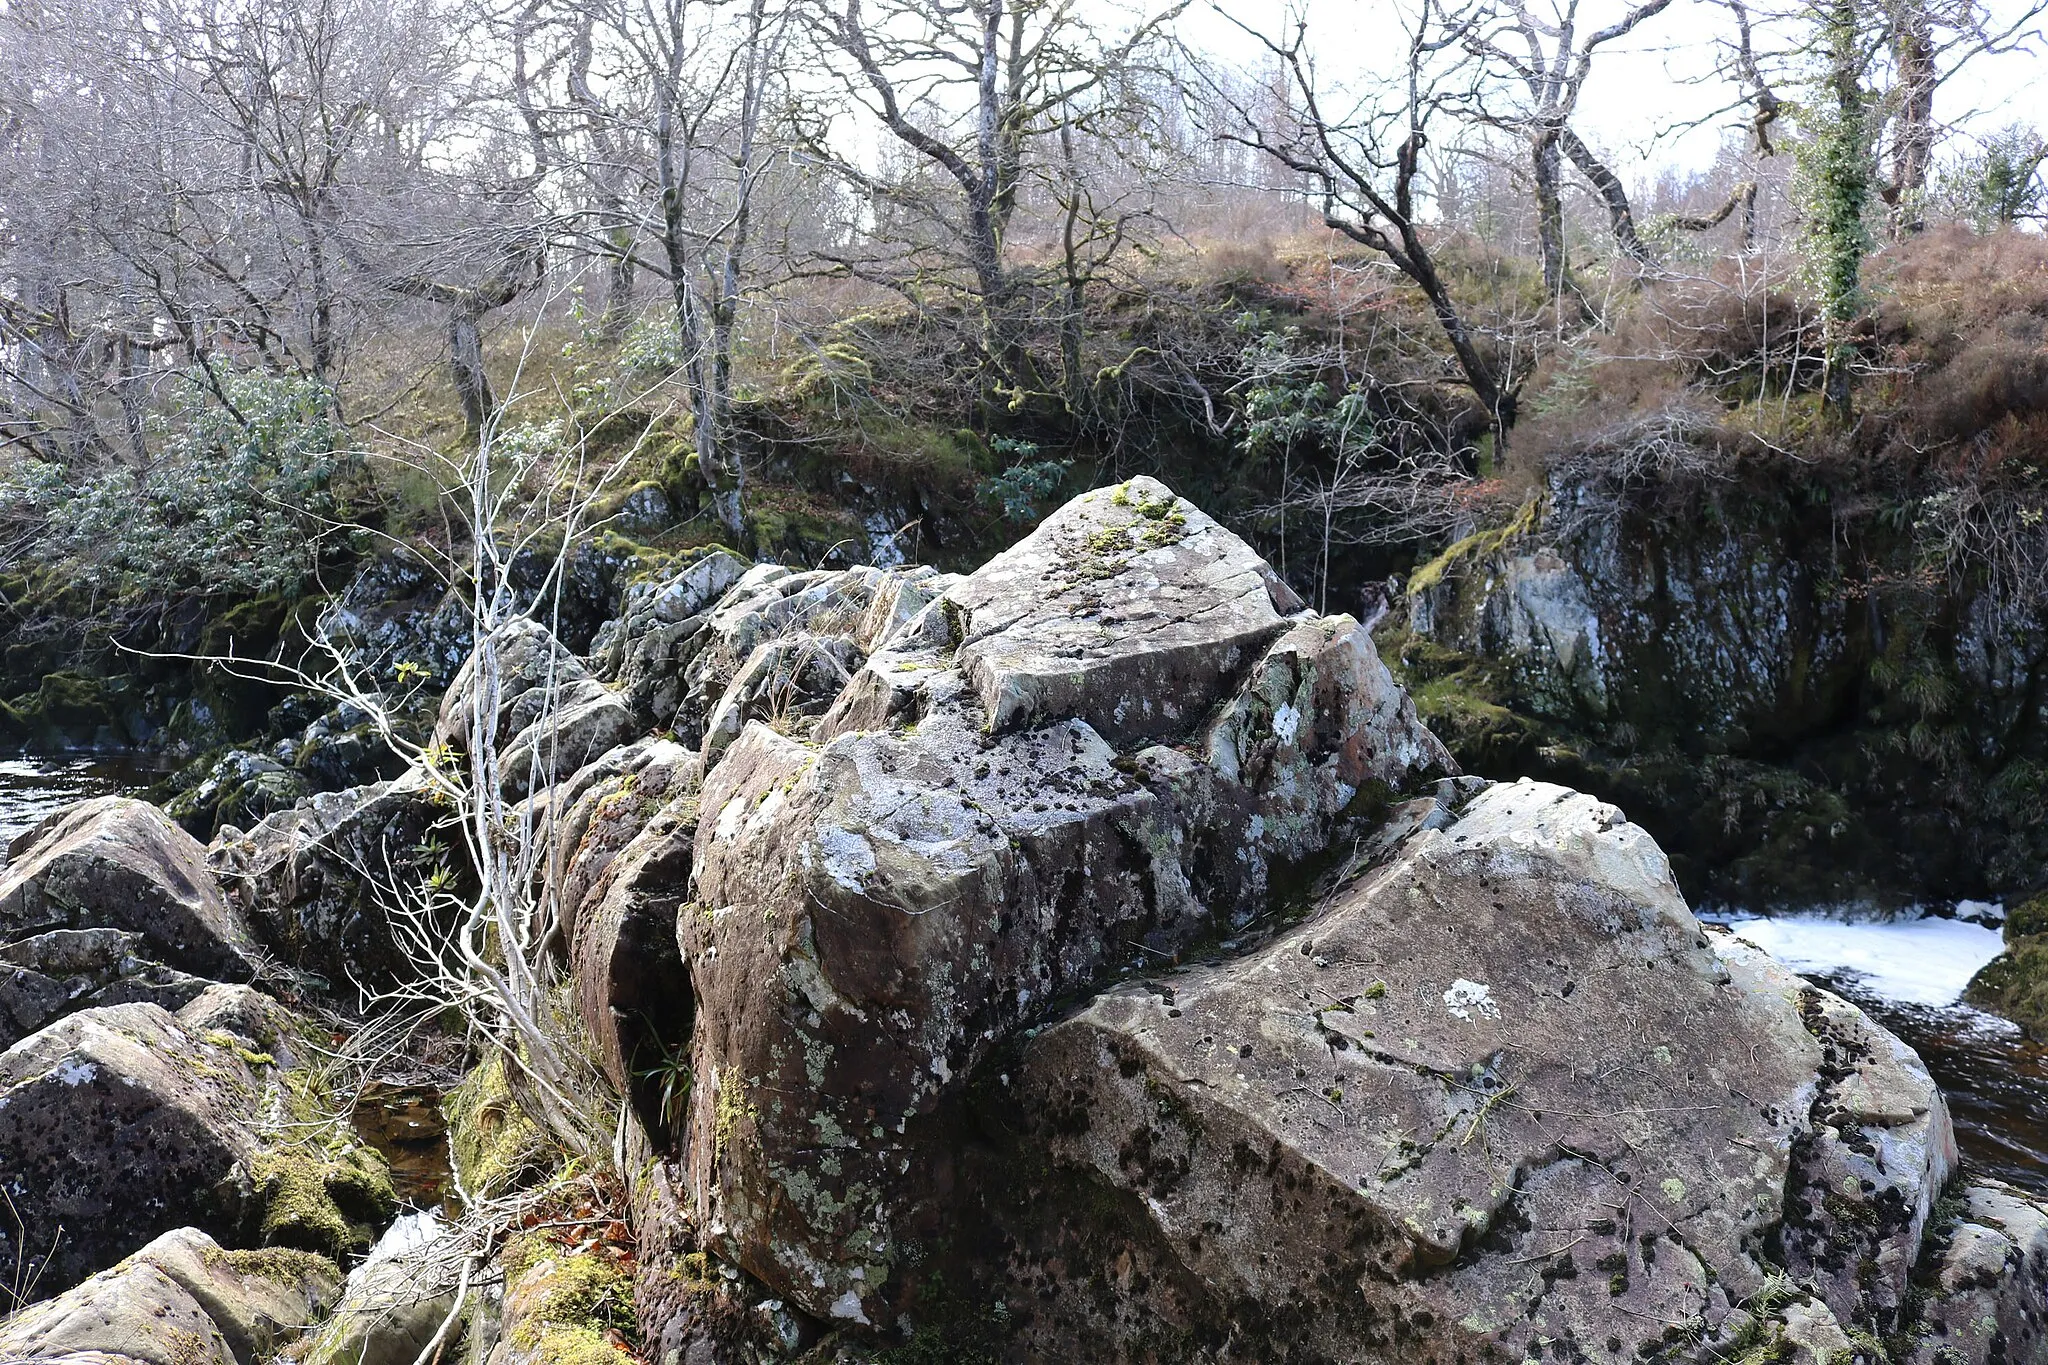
(1661, 75)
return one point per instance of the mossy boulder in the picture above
(565, 1305)
(330, 1201)
(2015, 983)
(495, 1146)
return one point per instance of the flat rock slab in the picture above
(118, 863)
(1129, 608)
(1506, 1079)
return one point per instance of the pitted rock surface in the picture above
(117, 1124)
(1986, 1282)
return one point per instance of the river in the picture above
(1908, 972)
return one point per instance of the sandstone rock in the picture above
(1513, 1088)
(635, 650)
(785, 681)
(260, 1301)
(135, 1315)
(117, 1124)
(113, 862)
(586, 721)
(873, 912)
(1987, 1281)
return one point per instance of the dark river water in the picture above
(1907, 973)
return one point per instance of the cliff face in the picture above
(1791, 699)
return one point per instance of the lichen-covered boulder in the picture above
(135, 1315)
(117, 1124)
(1078, 761)
(1498, 1093)
(1128, 609)
(118, 863)
(1984, 1287)
(46, 976)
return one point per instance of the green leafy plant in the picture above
(1021, 489)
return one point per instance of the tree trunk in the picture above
(1546, 167)
(1913, 124)
(466, 367)
(617, 318)
(1620, 214)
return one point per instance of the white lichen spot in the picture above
(729, 817)
(1465, 996)
(847, 1307)
(1286, 723)
(73, 1072)
(848, 858)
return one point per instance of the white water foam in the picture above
(1914, 961)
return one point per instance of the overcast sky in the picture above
(1662, 75)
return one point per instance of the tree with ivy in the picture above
(1836, 176)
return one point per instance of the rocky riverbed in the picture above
(1091, 957)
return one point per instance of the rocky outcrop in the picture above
(119, 863)
(964, 844)
(181, 1300)
(46, 976)
(2015, 983)
(1769, 682)
(310, 878)
(1517, 1091)
(123, 1121)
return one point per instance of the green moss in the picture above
(2029, 919)
(580, 1299)
(2015, 984)
(496, 1147)
(286, 1265)
(326, 1203)
(1476, 546)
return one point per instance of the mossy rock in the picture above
(71, 709)
(328, 1203)
(566, 1307)
(494, 1145)
(2028, 919)
(2015, 984)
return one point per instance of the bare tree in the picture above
(1547, 62)
(993, 99)
(1362, 154)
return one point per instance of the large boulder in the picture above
(118, 863)
(398, 1301)
(321, 880)
(1080, 761)
(1499, 1093)
(181, 1300)
(123, 1121)
(117, 1124)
